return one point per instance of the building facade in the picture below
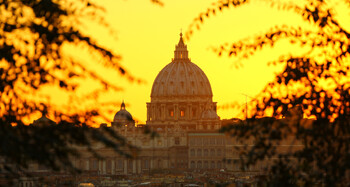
(182, 113)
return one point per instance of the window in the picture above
(219, 141)
(205, 141)
(199, 152)
(80, 164)
(160, 164)
(159, 142)
(119, 164)
(199, 164)
(194, 112)
(219, 152)
(219, 164)
(109, 165)
(212, 164)
(145, 164)
(193, 165)
(205, 152)
(192, 141)
(130, 165)
(199, 141)
(205, 166)
(212, 152)
(182, 113)
(192, 152)
(171, 113)
(94, 164)
(177, 141)
(145, 142)
(212, 141)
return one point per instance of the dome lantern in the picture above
(180, 52)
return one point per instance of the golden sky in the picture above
(147, 35)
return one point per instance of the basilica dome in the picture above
(181, 77)
(180, 94)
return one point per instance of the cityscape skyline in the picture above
(147, 46)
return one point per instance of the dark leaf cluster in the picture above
(33, 34)
(313, 84)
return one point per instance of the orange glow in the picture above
(182, 113)
(147, 35)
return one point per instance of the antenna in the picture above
(246, 104)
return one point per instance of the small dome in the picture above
(122, 114)
(209, 114)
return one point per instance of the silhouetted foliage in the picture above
(32, 37)
(315, 84)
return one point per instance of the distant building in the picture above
(184, 116)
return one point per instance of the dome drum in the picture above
(177, 111)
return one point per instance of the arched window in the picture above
(205, 166)
(212, 152)
(199, 164)
(192, 152)
(219, 152)
(212, 164)
(219, 164)
(199, 152)
(193, 165)
(205, 152)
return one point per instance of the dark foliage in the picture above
(32, 35)
(315, 83)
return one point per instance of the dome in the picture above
(122, 114)
(181, 77)
(180, 93)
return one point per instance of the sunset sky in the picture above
(147, 35)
